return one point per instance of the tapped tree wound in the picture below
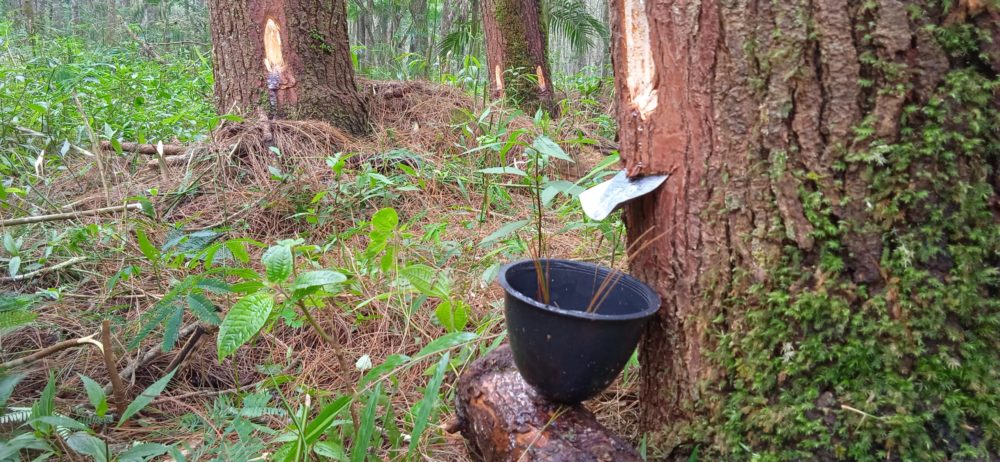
(640, 67)
(273, 60)
(498, 77)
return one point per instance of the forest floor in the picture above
(254, 183)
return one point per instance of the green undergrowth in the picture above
(122, 96)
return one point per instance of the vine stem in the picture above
(338, 349)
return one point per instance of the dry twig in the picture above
(68, 215)
(39, 272)
(111, 363)
(51, 350)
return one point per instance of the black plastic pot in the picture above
(566, 353)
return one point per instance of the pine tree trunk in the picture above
(515, 52)
(312, 75)
(74, 7)
(418, 32)
(28, 10)
(830, 234)
(111, 22)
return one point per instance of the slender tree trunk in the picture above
(28, 9)
(516, 53)
(825, 235)
(74, 8)
(418, 16)
(311, 70)
(111, 21)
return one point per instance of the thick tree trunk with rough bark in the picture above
(504, 419)
(830, 228)
(305, 72)
(515, 53)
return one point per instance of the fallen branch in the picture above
(186, 349)
(151, 354)
(51, 350)
(504, 419)
(168, 160)
(148, 149)
(69, 215)
(39, 272)
(112, 364)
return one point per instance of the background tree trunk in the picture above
(317, 77)
(828, 229)
(418, 25)
(515, 53)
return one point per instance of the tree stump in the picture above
(505, 419)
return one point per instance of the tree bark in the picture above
(504, 419)
(418, 26)
(314, 78)
(813, 217)
(516, 53)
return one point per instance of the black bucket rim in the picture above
(641, 286)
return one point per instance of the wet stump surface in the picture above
(504, 419)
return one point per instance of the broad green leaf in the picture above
(445, 342)
(59, 421)
(503, 171)
(10, 245)
(385, 220)
(148, 249)
(7, 384)
(318, 425)
(14, 265)
(359, 451)
(549, 148)
(203, 309)
(95, 393)
(317, 278)
(277, 263)
(425, 279)
(147, 396)
(453, 316)
(44, 405)
(143, 452)
(89, 445)
(391, 363)
(428, 403)
(330, 449)
(504, 231)
(9, 449)
(243, 321)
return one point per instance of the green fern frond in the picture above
(12, 319)
(15, 416)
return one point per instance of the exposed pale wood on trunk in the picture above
(516, 53)
(736, 112)
(317, 81)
